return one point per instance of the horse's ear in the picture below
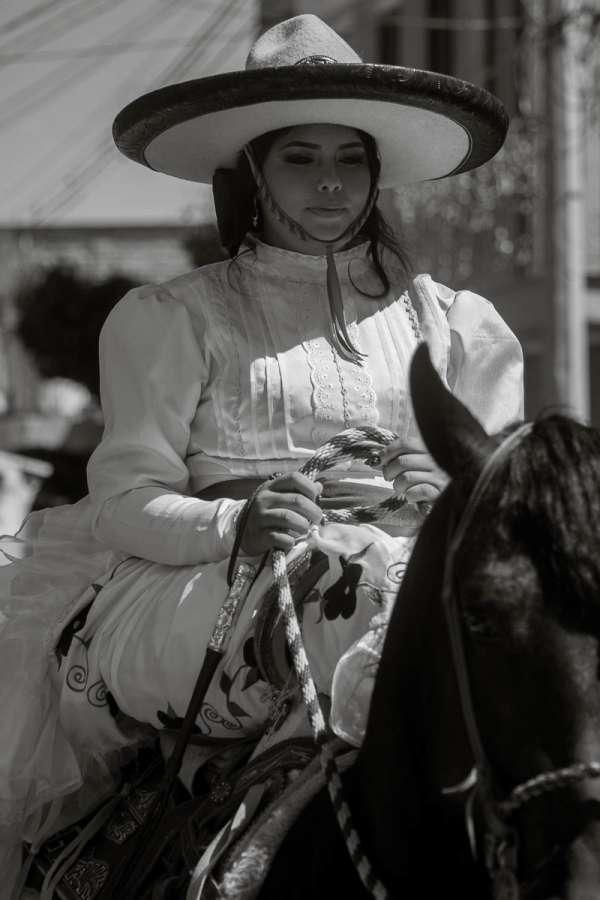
(453, 436)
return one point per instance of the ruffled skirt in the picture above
(135, 640)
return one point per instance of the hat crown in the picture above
(301, 39)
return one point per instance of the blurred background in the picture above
(79, 224)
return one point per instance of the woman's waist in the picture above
(337, 493)
(210, 472)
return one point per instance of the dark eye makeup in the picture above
(303, 159)
(298, 159)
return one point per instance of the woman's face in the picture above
(319, 176)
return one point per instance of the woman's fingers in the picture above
(286, 521)
(422, 493)
(280, 514)
(401, 448)
(407, 462)
(408, 479)
(296, 483)
(407, 484)
(296, 503)
(416, 477)
(274, 528)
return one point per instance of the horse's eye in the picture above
(479, 625)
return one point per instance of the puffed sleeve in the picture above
(485, 369)
(152, 371)
(474, 350)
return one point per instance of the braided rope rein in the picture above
(355, 443)
(365, 442)
(546, 782)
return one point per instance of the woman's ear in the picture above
(452, 435)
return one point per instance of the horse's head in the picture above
(511, 549)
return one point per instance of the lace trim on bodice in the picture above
(341, 391)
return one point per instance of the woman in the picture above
(219, 379)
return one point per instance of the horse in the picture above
(490, 665)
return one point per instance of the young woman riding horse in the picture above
(217, 386)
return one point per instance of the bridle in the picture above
(500, 840)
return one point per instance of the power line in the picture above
(62, 23)
(77, 136)
(222, 53)
(104, 152)
(25, 17)
(95, 50)
(180, 68)
(100, 159)
(45, 88)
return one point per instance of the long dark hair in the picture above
(235, 201)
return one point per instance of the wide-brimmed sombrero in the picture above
(426, 125)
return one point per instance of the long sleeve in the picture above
(152, 372)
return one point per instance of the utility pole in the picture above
(567, 354)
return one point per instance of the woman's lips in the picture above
(327, 212)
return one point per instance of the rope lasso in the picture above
(319, 729)
(356, 443)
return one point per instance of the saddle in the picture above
(143, 842)
(123, 857)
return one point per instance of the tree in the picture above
(60, 315)
(477, 226)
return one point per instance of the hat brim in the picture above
(426, 125)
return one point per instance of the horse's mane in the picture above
(546, 501)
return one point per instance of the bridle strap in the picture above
(501, 840)
(490, 468)
(546, 782)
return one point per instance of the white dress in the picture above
(204, 379)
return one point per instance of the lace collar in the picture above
(302, 266)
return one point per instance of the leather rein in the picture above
(500, 837)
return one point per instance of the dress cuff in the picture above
(225, 523)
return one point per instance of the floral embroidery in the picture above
(340, 598)
(246, 675)
(77, 680)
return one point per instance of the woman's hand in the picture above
(282, 511)
(412, 469)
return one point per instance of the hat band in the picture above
(316, 60)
